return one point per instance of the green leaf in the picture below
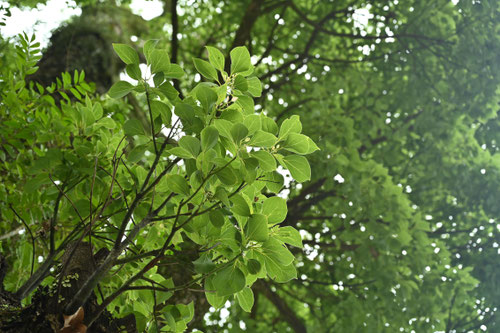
(133, 127)
(190, 144)
(158, 79)
(34, 184)
(148, 47)
(290, 235)
(204, 164)
(32, 70)
(65, 96)
(253, 266)
(205, 69)
(254, 86)
(206, 96)
(216, 58)
(221, 194)
(204, 161)
(133, 71)
(178, 184)
(224, 127)
(180, 152)
(245, 299)
(174, 72)
(249, 169)
(88, 116)
(227, 176)
(66, 80)
(253, 123)
(240, 60)
(298, 167)
(277, 260)
(159, 61)
(209, 138)
(240, 83)
(291, 125)
(167, 90)
(275, 209)
(275, 249)
(229, 280)
(136, 154)
(107, 122)
(211, 293)
(217, 218)
(238, 132)
(120, 89)
(266, 161)
(82, 76)
(269, 125)
(170, 321)
(203, 264)
(285, 273)
(233, 115)
(274, 182)
(256, 228)
(126, 53)
(246, 103)
(75, 93)
(240, 205)
(300, 144)
(263, 139)
(161, 109)
(97, 110)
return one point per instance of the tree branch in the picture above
(293, 106)
(304, 54)
(174, 17)
(287, 313)
(320, 27)
(252, 12)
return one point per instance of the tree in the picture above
(399, 218)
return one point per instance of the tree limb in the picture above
(287, 313)
(252, 12)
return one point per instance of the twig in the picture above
(153, 134)
(67, 198)
(12, 233)
(53, 222)
(90, 202)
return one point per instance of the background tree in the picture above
(399, 219)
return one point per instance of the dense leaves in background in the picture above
(399, 220)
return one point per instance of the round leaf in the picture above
(253, 266)
(275, 209)
(256, 228)
(190, 144)
(229, 280)
(298, 167)
(216, 218)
